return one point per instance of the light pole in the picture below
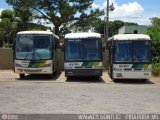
(106, 19)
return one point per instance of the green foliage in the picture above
(64, 14)
(154, 33)
(13, 22)
(155, 21)
(6, 14)
(156, 59)
(8, 26)
(156, 69)
(25, 15)
(114, 27)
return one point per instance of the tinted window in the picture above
(82, 49)
(91, 49)
(123, 51)
(24, 47)
(74, 50)
(142, 52)
(33, 47)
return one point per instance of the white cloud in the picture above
(1, 9)
(95, 6)
(128, 12)
(133, 10)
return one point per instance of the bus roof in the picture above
(129, 37)
(35, 32)
(38, 32)
(82, 35)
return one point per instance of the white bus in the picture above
(129, 56)
(36, 52)
(83, 54)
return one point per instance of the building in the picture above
(132, 29)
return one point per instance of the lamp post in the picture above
(106, 19)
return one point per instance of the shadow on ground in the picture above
(133, 81)
(85, 79)
(41, 77)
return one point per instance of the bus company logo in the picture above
(124, 66)
(4, 116)
(74, 64)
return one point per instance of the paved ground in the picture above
(22, 97)
(38, 94)
(8, 75)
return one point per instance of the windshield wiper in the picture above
(36, 53)
(27, 56)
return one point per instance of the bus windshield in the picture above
(82, 49)
(132, 51)
(123, 51)
(142, 51)
(33, 47)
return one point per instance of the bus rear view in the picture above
(129, 56)
(83, 56)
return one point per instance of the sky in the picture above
(138, 11)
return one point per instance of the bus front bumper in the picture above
(83, 72)
(132, 75)
(45, 70)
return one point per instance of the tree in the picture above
(25, 15)
(9, 26)
(7, 14)
(63, 14)
(13, 22)
(154, 33)
(114, 27)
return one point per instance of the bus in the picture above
(83, 54)
(129, 56)
(36, 52)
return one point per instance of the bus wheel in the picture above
(144, 80)
(21, 76)
(51, 76)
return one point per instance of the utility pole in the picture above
(106, 20)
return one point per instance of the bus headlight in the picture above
(146, 74)
(119, 75)
(48, 65)
(117, 69)
(18, 65)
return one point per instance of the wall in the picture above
(6, 58)
(130, 29)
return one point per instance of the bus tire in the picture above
(21, 76)
(51, 76)
(143, 80)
